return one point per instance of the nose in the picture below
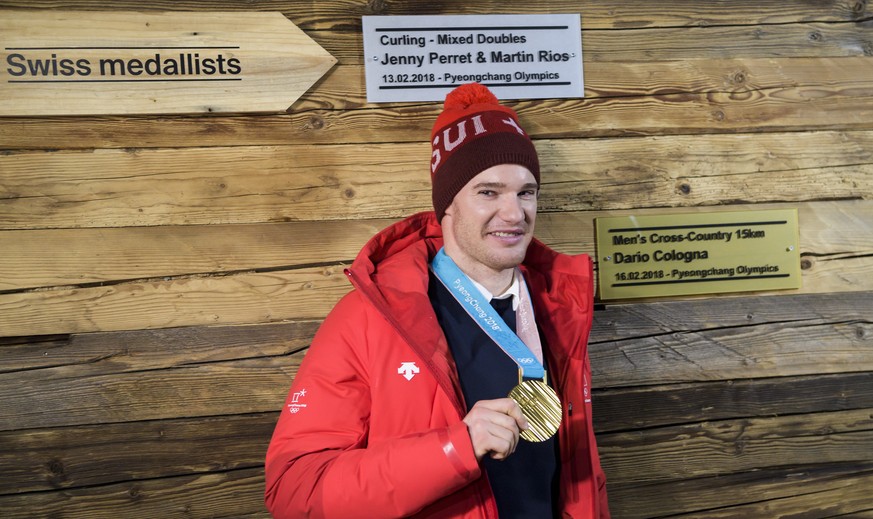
(511, 209)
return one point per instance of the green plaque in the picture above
(697, 253)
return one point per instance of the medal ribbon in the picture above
(473, 302)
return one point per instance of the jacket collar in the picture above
(391, 271)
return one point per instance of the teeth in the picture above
(505, 234)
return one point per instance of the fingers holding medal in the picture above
(494, 427)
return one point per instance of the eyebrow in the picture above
(496, 185)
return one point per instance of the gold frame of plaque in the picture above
(697, 253)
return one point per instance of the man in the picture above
(401, 406)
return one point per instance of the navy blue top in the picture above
(525, 484)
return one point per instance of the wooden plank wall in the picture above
(162, 276)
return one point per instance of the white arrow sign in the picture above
(408, 370)
(124, 62)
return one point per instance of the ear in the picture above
(450, 210)
(445, 221)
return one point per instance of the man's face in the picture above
(490, 222)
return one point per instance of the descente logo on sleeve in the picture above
(408, 370)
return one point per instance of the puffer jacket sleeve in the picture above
(320, 462)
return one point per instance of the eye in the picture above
(530, 193)
(487, 192)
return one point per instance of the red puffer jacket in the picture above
(372, 426)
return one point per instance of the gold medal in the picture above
(540, 405)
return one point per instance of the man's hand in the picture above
(494, 427)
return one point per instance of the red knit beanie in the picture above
(473, 133)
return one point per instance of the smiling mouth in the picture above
(507, 234)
